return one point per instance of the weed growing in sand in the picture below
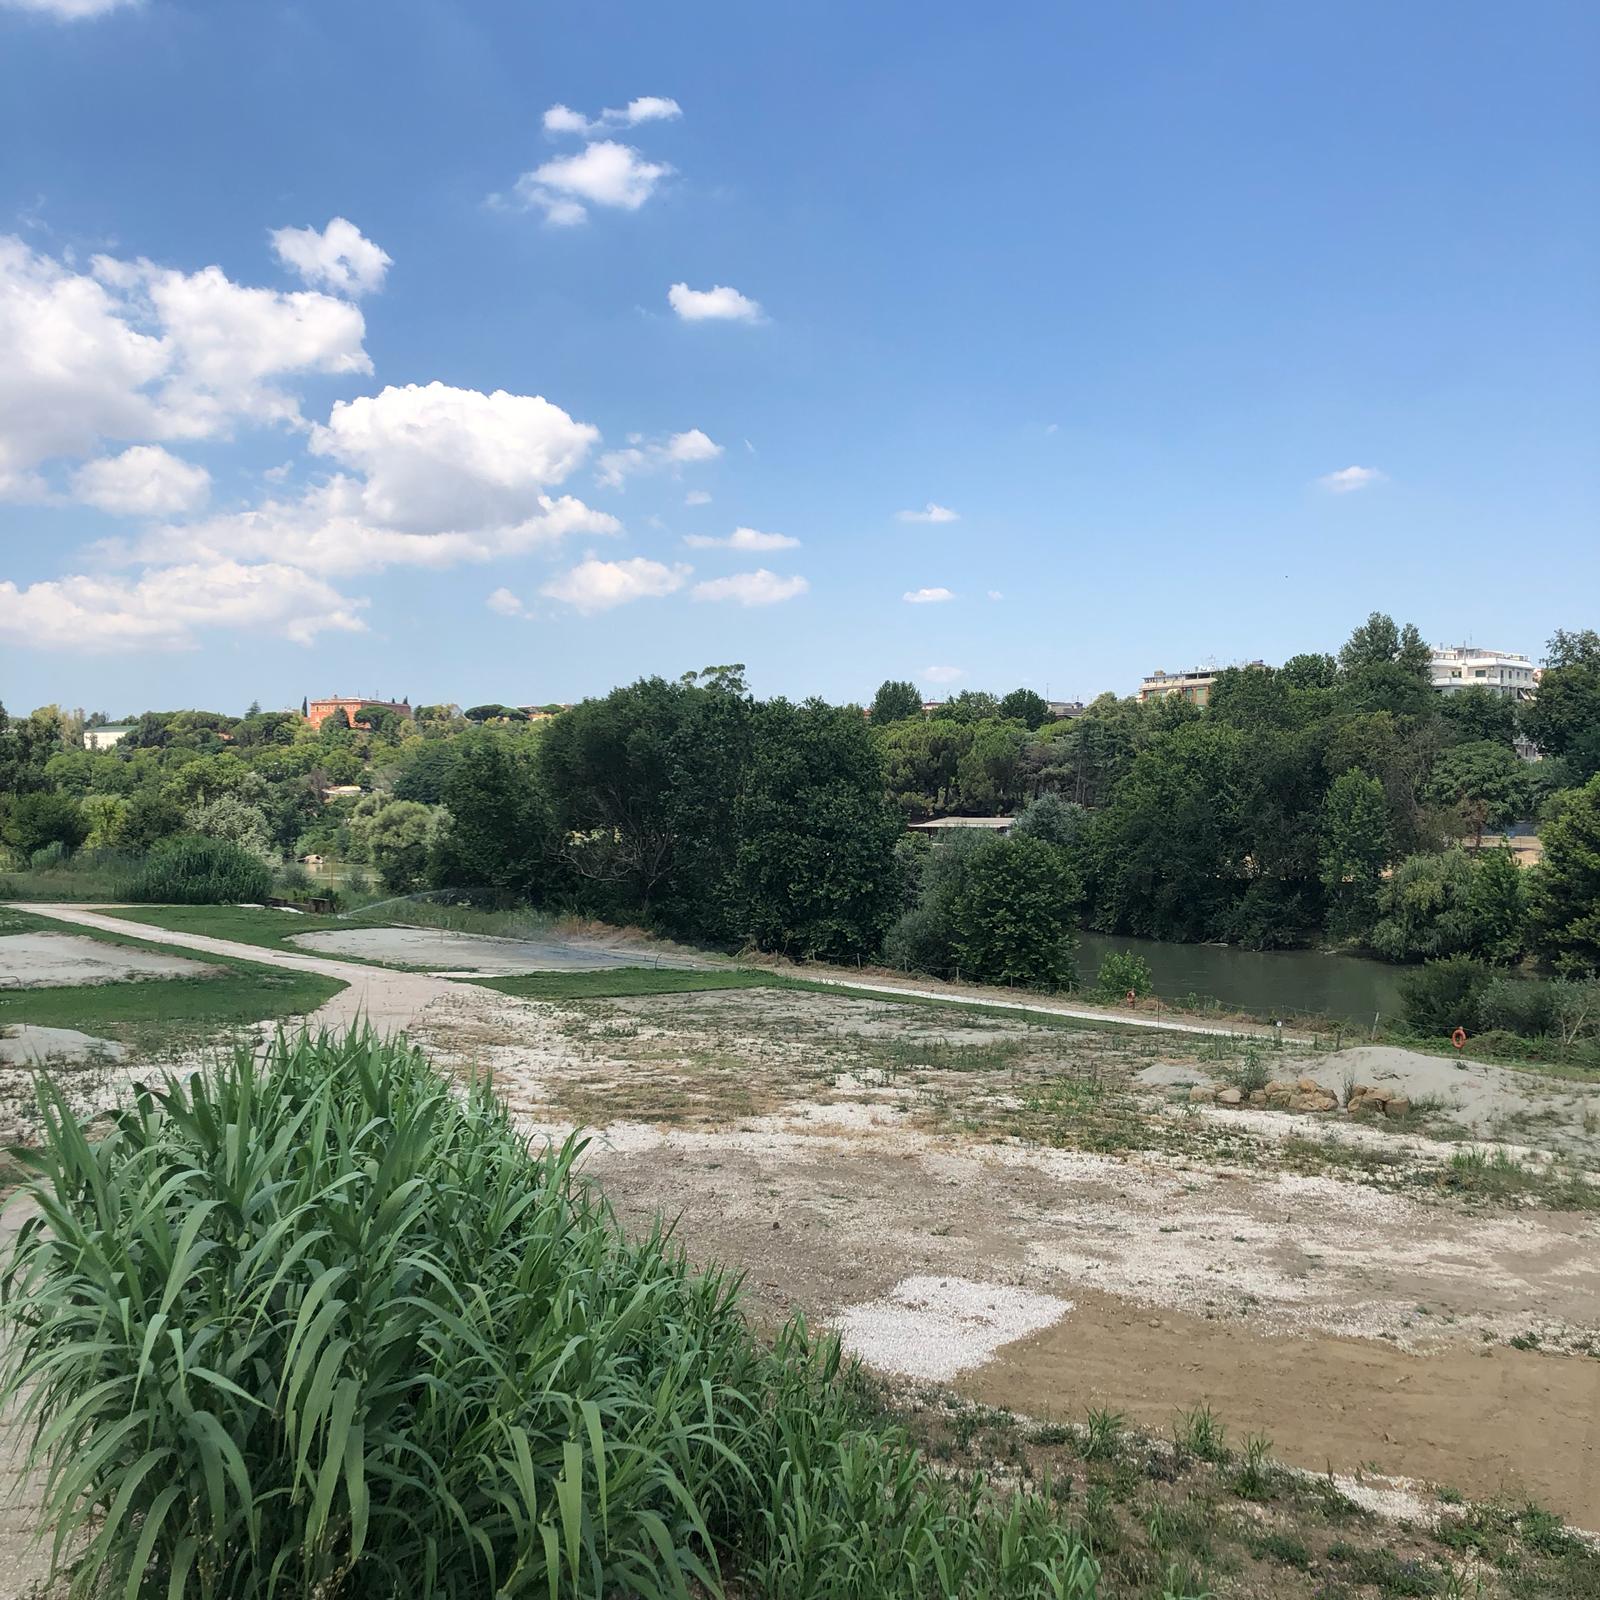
(1253, 1480)
(1199, 1434)
(1103, 1434)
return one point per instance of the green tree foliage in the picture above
(1026, 706)
(971, 705)
(1059, 822)
(1487, 784)
(398, 838)
(895, 701)
(41, 817)
(1480, 715)
(1565, 908)
(1443, 995)
(236, 820)
(1013, 915)
(426, 774)
(500, 830)
(1123, 973)
(1563, 719)
(1355, 847)
(1451, 904)
(191, 871)
(1383, 667)
(816, 838)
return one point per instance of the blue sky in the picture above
(1126, 290)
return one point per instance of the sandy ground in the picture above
(26, 1045)
(911, 1176)
(482, 956)
(61, 960)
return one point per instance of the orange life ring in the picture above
(1459, 1037)
(1133, 999)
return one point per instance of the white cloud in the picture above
(68, 10)
(758, 588)
(505, 604)
(338, 259)
(1348, 479)
(604, 173)
(436, 458)
(677, 450)
(743, 539)
(718, 304)
(929, 513)
(994, 594)
(167, 606)
(595, 585)
(927, 597)
(328, 531)
(131, 351)
(144, 481)
(943, 674)
(646, 108)
(697, 497)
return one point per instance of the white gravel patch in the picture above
(934, 1328)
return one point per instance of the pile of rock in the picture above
(1388, 1102)
(1304, 1095)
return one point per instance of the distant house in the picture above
(342, 791)
(318, 711)
(1001, 825)
(112, 734)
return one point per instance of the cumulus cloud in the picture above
(641, 455)
(758, 588)
(943, 674)
(697, 497)
(604, 173)
(166, 607)
(743, 539)
(68, 10)
(646, 108)
(436, 457)
(339, 258)
(994, 594)
(927, 597)
(1348, 479)
(505, 604)
(929, 513)
(131, 351)
(594, 585)
(718, 304)
(144, 481)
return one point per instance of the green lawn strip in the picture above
(242, 924)
(612, 983)
(151, 1012)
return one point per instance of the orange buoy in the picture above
(1133, 999)
(1459, 1037)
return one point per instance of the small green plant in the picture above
(1123, 973)
(1198, 1433)
(192, 870)
(1103, 1434)
(1253, 1479)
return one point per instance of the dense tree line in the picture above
(1335, 798)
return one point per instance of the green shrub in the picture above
(1122, 971)
(316, 1325)
(48, 857)
(294, 882)
(190, 870)
(1525, 1006)
(1443, 995)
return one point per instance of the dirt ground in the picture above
(432, 949)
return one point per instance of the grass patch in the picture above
(243, 924)
(613, 983)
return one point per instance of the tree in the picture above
(500, 830)
(1451, 904)
(1478, 715)
(971, 705)
(1014, 914)
(1563, 719)
(1386, 668)
(816, 837)
(150, 818)
(921, 762)
(399, 839)
(1355, 846)
(426, 775)
(1025, 706)
(234, 819)
(1060, 822)
(1565, 902)
(1499, 904)
(41, 817)
(895, 701)
(1305, 672)
(989, 772)
(1488, 784)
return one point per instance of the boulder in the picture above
(1309, 1086)
(1398, 1107)
(1359, 1089)
(1276, 1088)
(1229, 1097)
(1258, 1097)
(1202, 1094)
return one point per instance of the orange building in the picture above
(318, 711)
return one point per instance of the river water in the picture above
(1262, 982)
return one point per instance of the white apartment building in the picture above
(1465, 666)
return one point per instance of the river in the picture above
(1261, 982)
